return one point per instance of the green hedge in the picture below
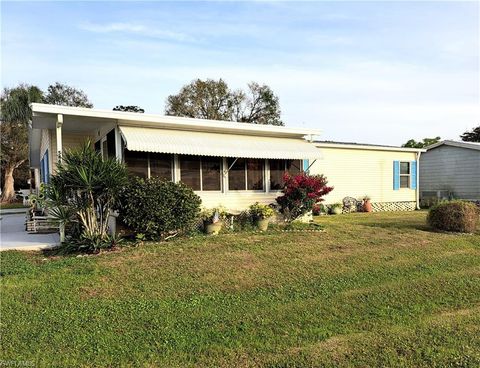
(156, 207)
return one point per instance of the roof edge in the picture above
(171, 120)
(461, 144)
(367, 147)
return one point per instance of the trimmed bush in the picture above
(457, 216)
(157, 207)
(301, 193)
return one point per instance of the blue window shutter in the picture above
(306, 165)
(396, 175)
(42, 170)
(413, 175)
(47, 168)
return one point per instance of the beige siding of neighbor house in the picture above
(360, 172)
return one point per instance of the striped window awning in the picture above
(217, 144)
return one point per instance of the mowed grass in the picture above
(373, 290)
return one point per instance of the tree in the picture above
(62, 94)
(211, 99)
(412, 143)
(15, 115)
(472, 136)
(129, 109)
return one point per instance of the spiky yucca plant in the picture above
(84, 190)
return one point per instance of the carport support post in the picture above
(59, 137)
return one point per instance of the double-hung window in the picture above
(405, 174)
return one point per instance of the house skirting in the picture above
(394, 206)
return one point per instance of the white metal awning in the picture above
(216, 144)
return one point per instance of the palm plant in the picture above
(84, 191)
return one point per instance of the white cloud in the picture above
(134, 28)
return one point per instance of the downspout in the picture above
(417, 194)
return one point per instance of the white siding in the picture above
(360, 172)
(451, 168)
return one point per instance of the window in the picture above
(236, 174)
(201, 173)
(211, 173)
(246, 174)
(404, 174)
(137, 163)
(161, 165)
(278, 168)
(190, 171)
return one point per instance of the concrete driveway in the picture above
(14, 236)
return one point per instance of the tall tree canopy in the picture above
(15, 114)
(211, 99)
(62, 94)
(412, 143)
(471, 136)
(128, 109)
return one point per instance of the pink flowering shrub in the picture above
(301, 192)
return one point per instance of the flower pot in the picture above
(213, 229)
(367, 206)
(262, 223)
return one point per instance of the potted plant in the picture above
(336, 209)
(261, 214)
(367, 205)
(319, 209)
(212, 219)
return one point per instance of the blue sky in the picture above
(374, 72)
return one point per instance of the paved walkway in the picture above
(14, 236)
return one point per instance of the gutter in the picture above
(417, 192)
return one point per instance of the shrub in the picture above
(157, 208)
(458, 216)
(300, 193)
(82, 194)
(213, 215)
(260, 211)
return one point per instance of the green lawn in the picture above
(373, 290)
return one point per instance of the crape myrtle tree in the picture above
(15, 113)
(300, 193)
(212, 99)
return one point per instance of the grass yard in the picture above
(373, 290)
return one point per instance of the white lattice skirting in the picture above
(393, 206)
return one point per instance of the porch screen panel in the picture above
(294, 167)
(161, 165)
(255, 174)
(211, 173)
(236, 175)
(277, 169)
(190, 171)
(137, 163)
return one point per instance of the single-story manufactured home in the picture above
(450, 169)
(227, 163)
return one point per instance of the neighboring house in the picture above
(386, 174)
(450, 169)
(233, 164)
